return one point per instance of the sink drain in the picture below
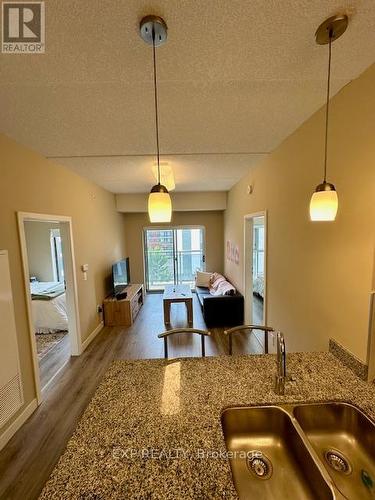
(337, 461)
(259, 465)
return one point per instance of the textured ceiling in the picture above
(192, 172)
(235, 77)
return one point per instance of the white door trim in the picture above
(71, 283)
(371, 340)
(248, 251)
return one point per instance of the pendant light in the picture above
(324, 201)
(153, 30)
(166, 175)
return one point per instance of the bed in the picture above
(258, 286)
(49, 310)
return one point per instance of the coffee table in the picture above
(177, 293)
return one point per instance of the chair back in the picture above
(165, 335)
(250, 328)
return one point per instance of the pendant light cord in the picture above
(327, 103)
(156, 102)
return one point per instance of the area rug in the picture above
(47, 341)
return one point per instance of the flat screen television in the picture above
(120, 276)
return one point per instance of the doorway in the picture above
(371, 340)
(50, 286)
(255, 267)
(172, 256)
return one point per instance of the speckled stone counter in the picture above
(153, 428)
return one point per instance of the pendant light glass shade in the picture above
(324, 203)
(159, 204)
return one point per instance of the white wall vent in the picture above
(11, 394)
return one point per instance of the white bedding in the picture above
(258, 285)
(48, 315)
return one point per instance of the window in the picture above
(258, 251)
(57, 255)
(173, 256)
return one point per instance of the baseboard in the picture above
(44, 389)
(18, 423)
(92, 335)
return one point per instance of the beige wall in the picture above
(181, 201)
(319, 274)
(212, 221)
(30, 183)
(39, 249)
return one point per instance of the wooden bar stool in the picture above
(265, 329)
(165, 335)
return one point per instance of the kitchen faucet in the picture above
(281, 365)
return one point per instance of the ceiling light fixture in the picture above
(166, 175)
(153, 31)
(324, 201)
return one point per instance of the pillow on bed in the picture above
(203, 279)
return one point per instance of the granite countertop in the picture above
(153, 428)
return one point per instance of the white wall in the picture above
(39, 249)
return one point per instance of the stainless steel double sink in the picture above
(301, 451)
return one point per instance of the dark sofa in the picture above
(221, 310)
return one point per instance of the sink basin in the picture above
(268, 456)
(344, 439)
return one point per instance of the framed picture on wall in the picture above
(237, 255)
(228, 249)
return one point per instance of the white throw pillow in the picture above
(203, 279)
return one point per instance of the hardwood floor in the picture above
(54, 360)
(28, 459)
(258, 310)
(258, 315)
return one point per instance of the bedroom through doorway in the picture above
(255, 255)
(50, 287)
(48, 296)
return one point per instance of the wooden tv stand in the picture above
(123, 312)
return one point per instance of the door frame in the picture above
(248, 257)
(168, 228)
(371, 339)
(71, 285)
